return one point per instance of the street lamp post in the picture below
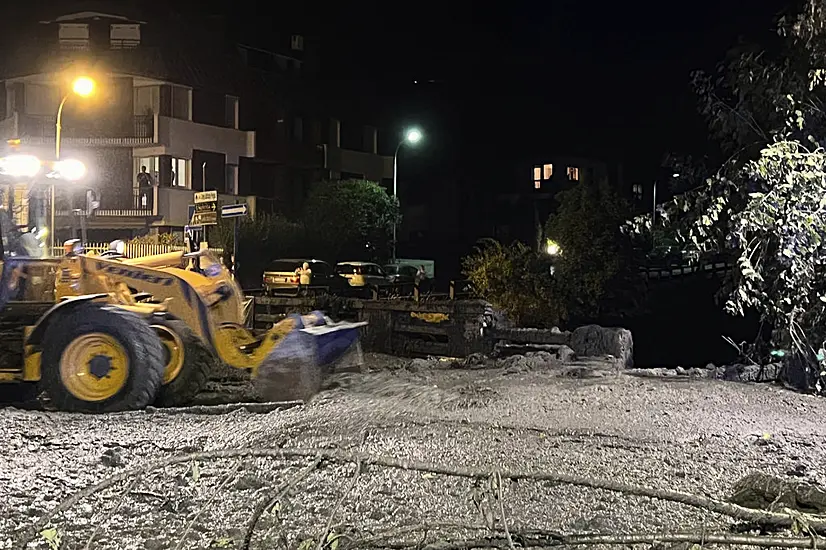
(83, 87)
(412, 136)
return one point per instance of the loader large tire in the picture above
(188, 362)
(100, 358)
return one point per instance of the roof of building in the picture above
(86, 15)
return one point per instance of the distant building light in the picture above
(573, 173)
(549, 171)
(537, 173)
(537, 184)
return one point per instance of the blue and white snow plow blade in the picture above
(315, 348)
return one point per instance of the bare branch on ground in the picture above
(256, 408)
(322, 539)
(230, 476)
(760, 517)
(265, 504)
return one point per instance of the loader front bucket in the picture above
(295, 369)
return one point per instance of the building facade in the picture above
(313, 133)
(521, 214)
(187, 112)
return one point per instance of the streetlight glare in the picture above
(552, 248)
(20, 166)
(83, 86)
(414, 136)
(70, 169)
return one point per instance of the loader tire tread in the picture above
(199, 363)
(142, 345)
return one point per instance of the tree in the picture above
(685, 172)
(595, 272)
(765, 206)
(516, 280)
(260, 240)
(350, 220)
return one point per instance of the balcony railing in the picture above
(134, 203)
(140, 127)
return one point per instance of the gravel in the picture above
(674, 431)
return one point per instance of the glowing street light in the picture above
(414, 136)
(552, 248)
(69, 169)
(20, 166)
(411, 136)
(82, 86)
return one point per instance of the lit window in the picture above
(549, 171)
(537, 173)
(537, 184)
(637, 190)
(297, 42)
(573, 173)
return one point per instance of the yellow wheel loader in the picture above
(103, 334)
(196, 308)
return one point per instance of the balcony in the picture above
(131, 131)
(133, 202)
(156, 206)
(374, 167)
(178, 138)
(284, 151)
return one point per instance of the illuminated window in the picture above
(549, 171)
(537, 173)
(537, 184)
(573, 173)
(637, 190)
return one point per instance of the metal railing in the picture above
(43, 126)
(136, 249)
(137, 203)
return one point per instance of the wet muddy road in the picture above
(585, 419)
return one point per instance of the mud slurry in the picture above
(688, 434)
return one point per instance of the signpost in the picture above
(236, 211)
(206, 208)
(206, 211)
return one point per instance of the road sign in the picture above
(206, 196)
(234, 210)
(204, 218)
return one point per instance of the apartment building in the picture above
(522, 211)
(184, 101)
(156, 109)
(317, 131)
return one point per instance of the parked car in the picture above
(401, 273)
(281, 276)
(363, 274)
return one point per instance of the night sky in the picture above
(500, 86)
(518, 79)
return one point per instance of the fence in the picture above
(134, 250)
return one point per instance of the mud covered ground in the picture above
(587, 419)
